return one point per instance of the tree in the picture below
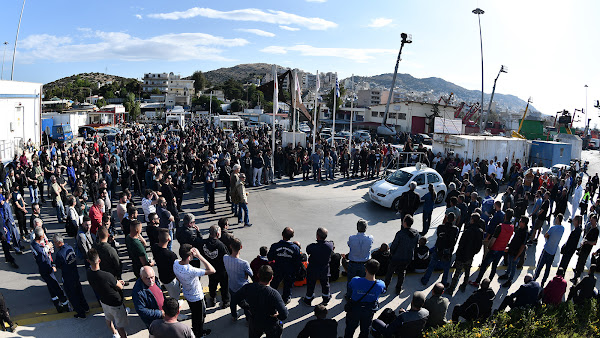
(339, 100)
(200, 81)
(135, 112)
(237, 106)
(129, 102)
(233, 89)
(156, 91)
(100, 103)
(255, 96)
(204, 103)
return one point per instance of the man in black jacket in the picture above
(189, 233)
(447, 234)
(214, 250)
(403, 252)
(318, 267)
(320, 327)
(516, 247)
(468, 247)
(266, 306)
(409, 201)
(287, 262)
(478, 305)
(569, 248)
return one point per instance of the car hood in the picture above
(383, 186)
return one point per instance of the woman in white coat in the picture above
(577, 195)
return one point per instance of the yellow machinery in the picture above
(517, 133)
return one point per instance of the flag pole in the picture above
(275, 110)
(335, 91)
(351, 112)
(294, 109)
(315, 114)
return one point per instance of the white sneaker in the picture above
(116, 335)
(127, 310)
(117, 243)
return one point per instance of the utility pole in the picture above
(3, 57)
(480, 11)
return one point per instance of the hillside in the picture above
(250, 72)
(441, 87)
(91, 77)
(243, 73)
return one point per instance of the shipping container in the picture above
(547, 154)
(484, 147)
(575, 142)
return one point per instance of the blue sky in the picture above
(549, 47)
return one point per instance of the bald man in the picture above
(148, 298)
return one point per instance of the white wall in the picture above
(20, 108)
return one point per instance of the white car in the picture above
(387, 192)
(560, 168)
(541, 170)
(303, 127)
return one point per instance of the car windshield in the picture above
(399, 177)
(67, 129)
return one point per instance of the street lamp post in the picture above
(3, 57)
(480, 11)
(502, 70)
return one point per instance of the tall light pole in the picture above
(3, 57)
(12, 71)
(480, 11)
(502, 70)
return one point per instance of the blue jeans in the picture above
(361, 314)
(512, 267)
(492, 257)
(34, 193)
(60, 211)
(436, 261)
(189, 179)
(355, 270)
(545, 261)
(243, 207)
(234, 208)
(316, 172)
(170, 244)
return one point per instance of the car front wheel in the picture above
(396, 204)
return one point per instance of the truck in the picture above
(56, 132)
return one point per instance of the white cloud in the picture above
(274, 50)
(249, 14)
(360, 55)
(316, 1)
(288, 28)
(380, 22)
(258, 32)
(122, 46)
(139, 16)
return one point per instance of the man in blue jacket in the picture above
(66, 261)
(287, 262)
(47, 270)
(147, 296)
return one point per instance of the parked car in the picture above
(425, 139)
(542, 170)
(107, 130)
(343, 133)
(304, 127)
(560, 168)
(361, 136)
(90, 131)
(338, 140)
(387, 192)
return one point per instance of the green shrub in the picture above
(564, 320)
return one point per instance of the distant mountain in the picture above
(439, 87)
(94, 78)
(250, 72)
(243, 73)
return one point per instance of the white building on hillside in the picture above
(21, 109)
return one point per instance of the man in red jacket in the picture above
(96, 213)
(556, 288)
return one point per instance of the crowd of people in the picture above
(93, 187)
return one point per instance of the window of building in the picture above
(392, 115)
(402, 116)
(374, 114)
(381, 114)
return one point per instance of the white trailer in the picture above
(482, 147)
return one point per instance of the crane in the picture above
(518, 132)
(459, 110)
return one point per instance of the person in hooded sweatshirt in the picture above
(214, 250)
(403, 252)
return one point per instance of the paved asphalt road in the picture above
(336, 205)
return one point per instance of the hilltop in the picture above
(94, 78)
